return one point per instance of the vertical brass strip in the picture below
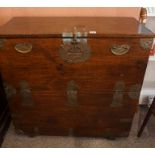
(134, 91)
(26, 95)
(118, 94)
(72, 89)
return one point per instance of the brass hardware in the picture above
(9, 90)
(146, 43)
(118, 94)
(23, 47)
(2, 43)
(134, 91)
(75, 52)
(75, 48)
(25, 92)
(67, 37)
(72, 93)
(120, 49)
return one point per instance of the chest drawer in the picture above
(39, 52)
(44, 69)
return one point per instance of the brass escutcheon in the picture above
(120, 49)
(23, 47)
(75, 52)
(75, 48)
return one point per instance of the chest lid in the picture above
(74, 26)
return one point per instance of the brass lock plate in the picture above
(75, 52)
(75, 48)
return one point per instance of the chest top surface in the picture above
(56, 26)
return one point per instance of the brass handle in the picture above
(120, 49)
(146, 44)
(72, 93)
(23, 47)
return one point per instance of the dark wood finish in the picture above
(45, 108)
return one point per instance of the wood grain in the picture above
(48, 75)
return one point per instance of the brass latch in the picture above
(75, 48)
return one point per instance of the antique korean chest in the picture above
(78, 76)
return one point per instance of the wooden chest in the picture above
(78, 76)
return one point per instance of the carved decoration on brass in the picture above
(118, 94)
(120, 49)
(23, 47)
(146, 43)
(134, 91)
(75, 52)
(2, 43)
(26, 95)
(75, 48)
(72, 90)
(9, 90)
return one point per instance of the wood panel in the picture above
(38, 91)
(54, 26)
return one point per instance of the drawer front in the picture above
(45, 52)
(55, 116)
(96, 124)
(25, 99)
(44, 69)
